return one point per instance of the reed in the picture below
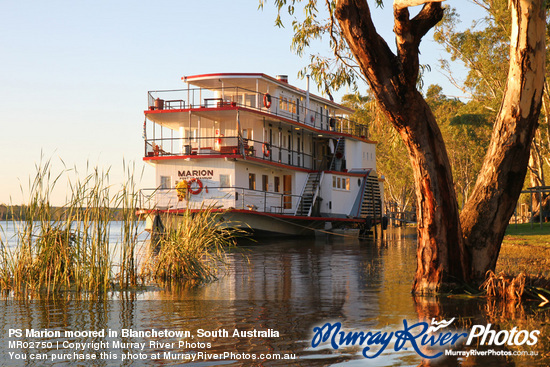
(5, 270)
(63, 249)
(68, 249)
(504, 287)
(194, 249)
(128, 202)
(33, 263)
(89, 216)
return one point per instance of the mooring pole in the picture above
(531, 208)
(540, 206)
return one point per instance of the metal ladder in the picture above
(338, 151)
(309, 194)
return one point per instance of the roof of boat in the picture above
(248, 81)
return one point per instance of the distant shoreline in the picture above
(16, 212)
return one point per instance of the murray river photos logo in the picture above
(419, 336)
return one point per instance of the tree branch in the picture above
(343, 60)
(402, 4)
(409, 33)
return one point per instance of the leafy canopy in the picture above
(317, 23)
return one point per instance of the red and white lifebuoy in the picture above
(194, 191)
(266, 149)
(267, 100)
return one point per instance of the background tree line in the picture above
(466, 124)
(17, 212)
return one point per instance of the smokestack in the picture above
(282, 78)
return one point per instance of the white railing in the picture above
(219, 198)
(240, 97)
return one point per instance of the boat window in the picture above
(165, 182)
(252, 181)
(225, 181)
(340, 183)
(250, 100)
(277, 187)
(265, 183)
(287, 190)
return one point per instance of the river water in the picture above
(278, 291)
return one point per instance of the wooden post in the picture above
(381, 220)
(531, 208)
(516, 216)
(540, 206)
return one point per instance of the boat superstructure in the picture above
(265, 153)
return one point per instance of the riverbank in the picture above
(527, 250)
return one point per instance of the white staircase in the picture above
(309, 194)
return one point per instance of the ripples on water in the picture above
(288, 285)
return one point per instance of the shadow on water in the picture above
(284, 286)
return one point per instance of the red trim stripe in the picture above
(243, 211)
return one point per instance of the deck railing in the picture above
(228, 145)
(219, 198)
(292, 109)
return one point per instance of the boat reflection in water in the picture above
(274, 293)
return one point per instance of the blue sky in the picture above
(74, 74)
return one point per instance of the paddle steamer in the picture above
(270, 156)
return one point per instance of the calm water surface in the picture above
(288, 286)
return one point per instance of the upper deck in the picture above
(251, 117)
(214, 95)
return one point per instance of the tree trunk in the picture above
(536, 177)
(449, 252)
(492, 202)
(441, 257)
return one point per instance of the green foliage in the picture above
(62, 252)
(465, 128)
(483, 48)
(391, 155)
(317, 24)
(193, 249)
(466, 131)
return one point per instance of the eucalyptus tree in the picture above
(482, 48)
(452, 248)
(466, 131)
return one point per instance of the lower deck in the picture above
(239, 184)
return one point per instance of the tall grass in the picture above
(67, 248)
(128, 202)
(193, 248)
